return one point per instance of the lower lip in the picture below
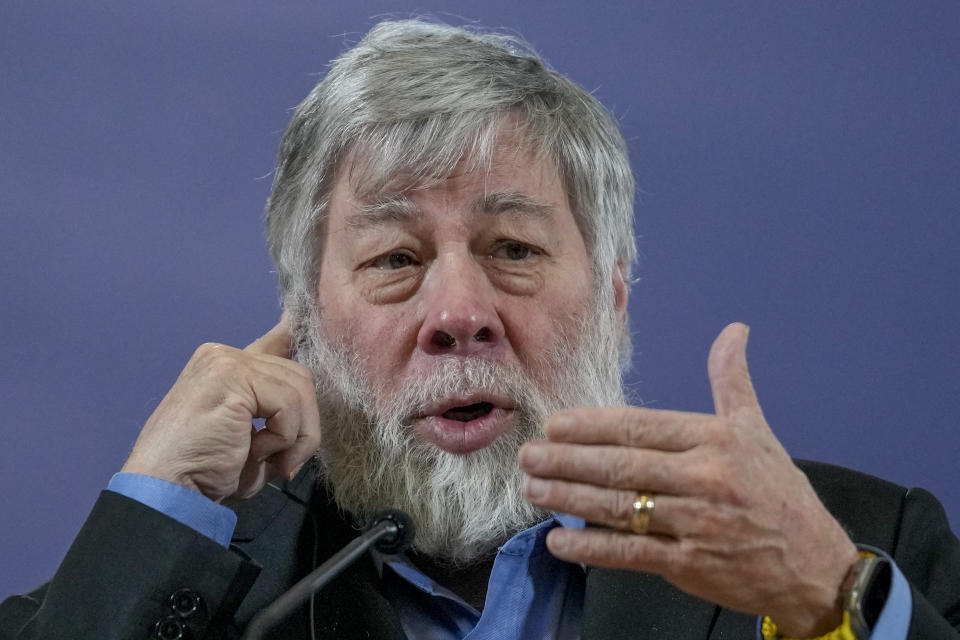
(463, 437)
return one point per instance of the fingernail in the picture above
(558, 541)
(560, 424)
(536, 489)
(530, 456)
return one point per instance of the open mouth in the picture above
(466, 423)
(468, 412)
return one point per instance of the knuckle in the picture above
(620, 471)
(303, 372)
(707, 521)
(289, 438)
(220, 366)
(634, 426)
(551, 457)
(726, 488)
(290, 398)
(554, 490)
(308, 391)
(216, 359)
(619, 508)
(279, 439)
(569, 497)
(574, 498)
(587, 547)
(622, 550)
(676, 560)
(207, 350)
(657, 475)
(736, 496)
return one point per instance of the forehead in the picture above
(513, 176)
(494, 152)
(407, 154)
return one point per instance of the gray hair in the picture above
(414, 99)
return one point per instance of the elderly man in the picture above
(452, 226)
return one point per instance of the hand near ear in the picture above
(201, 435)
(735, 522)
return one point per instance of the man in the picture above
(452, 227)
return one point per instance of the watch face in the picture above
(875, 592)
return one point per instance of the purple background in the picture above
(800, 171)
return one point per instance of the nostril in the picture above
(483, 335)
(443, 339)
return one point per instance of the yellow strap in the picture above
(768, 629)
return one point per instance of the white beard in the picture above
(464, 505)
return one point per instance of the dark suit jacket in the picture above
(118, 576)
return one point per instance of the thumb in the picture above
(728, 372)
(276, 342)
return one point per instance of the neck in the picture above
(470, 583)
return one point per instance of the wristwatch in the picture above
(864, 593)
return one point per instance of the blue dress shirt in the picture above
(530, 594)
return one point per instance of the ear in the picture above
(619, 291)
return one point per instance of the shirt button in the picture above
(184, 602)
(170, 628)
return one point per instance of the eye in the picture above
(513, 251)
(393, 261)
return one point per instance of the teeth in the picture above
(469, 412)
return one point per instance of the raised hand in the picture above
(734, 522)
(201, 435)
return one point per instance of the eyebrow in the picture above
(400, 209)
(380, 212)
(513, 202)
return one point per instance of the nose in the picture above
(461, 316)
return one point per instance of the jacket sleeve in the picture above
(132, 571)
(928, 553)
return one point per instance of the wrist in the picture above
(135, 464)
(821, 611)
(862, 597)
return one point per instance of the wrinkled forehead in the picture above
(391, 160)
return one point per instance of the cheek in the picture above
(574, 307)
(538, 328)
(379, 336)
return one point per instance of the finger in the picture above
(629, 426)
(729, 376)
(272, 440)
(277, 449)
(292, 421)
(609, 507)
(285, 456)
(281, 368)
(289, 461)
(287, 402)
(607, 466)
(252, 478)
(615, 549)
(276, 342)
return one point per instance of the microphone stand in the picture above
(392, 530)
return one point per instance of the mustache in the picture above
(449, 379)
(453, 378)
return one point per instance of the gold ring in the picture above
(642, 513)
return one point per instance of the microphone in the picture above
(390, 532)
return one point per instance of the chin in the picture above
(464, 504)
